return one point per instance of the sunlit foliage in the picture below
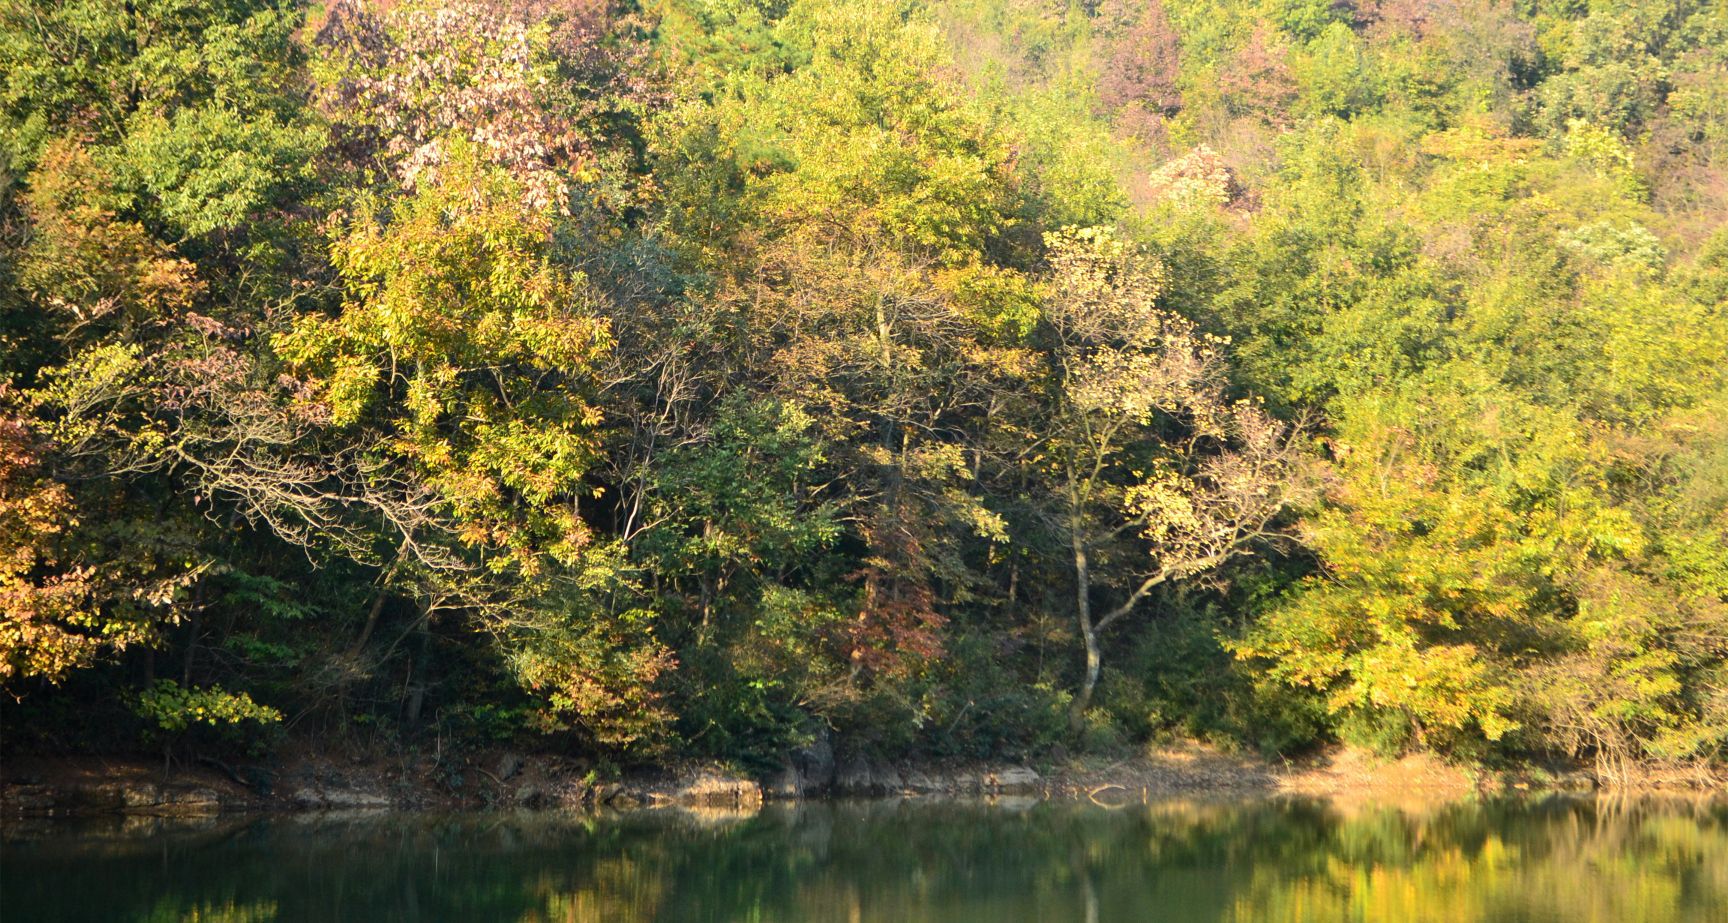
(962, 378)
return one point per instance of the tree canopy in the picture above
(950, 377)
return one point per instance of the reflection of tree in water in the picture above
(1564, 860)
(944, 863)
(170, 911)
(619, 889)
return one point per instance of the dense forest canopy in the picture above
(961, 379)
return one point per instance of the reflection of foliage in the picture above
(230, 912)
(1290, 861)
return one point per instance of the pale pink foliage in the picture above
(412, 77)
(1199, 178)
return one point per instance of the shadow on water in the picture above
(1256, 860)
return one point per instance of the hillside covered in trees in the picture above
(968, 379)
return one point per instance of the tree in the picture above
(861, 194)
(153, 158)
(50, 622)
(1256, 80)
(464, 360)
(1140, 82)
(405, 84)
(1155, 473)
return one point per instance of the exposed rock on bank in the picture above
(514, 780)
(120, 788)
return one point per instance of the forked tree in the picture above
(1149, 462)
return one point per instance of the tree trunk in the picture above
(418, 685)
(372, 613)
(1088, 633)
(377, 607)
(197, 626)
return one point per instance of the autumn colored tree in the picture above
(1142, 448)
(1142, 71)
(51, 620)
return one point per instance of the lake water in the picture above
(1502, 861)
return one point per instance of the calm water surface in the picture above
(1544, 860)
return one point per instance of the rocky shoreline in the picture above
(80, 788)
(508, 779)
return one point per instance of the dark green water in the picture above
(1547, 860)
